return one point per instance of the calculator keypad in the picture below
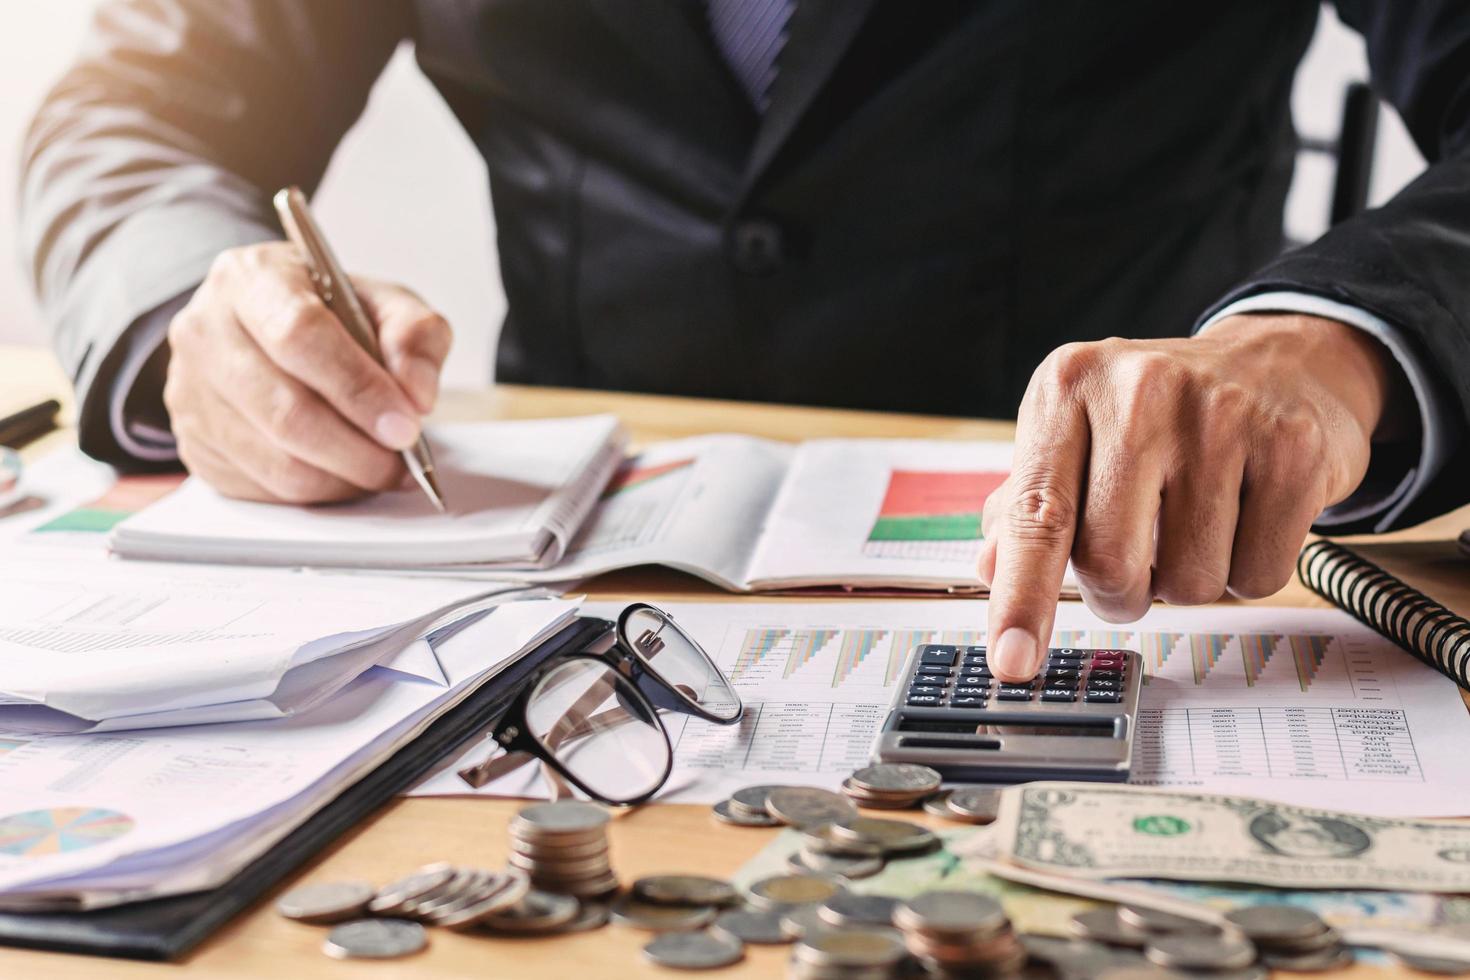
(959, 677)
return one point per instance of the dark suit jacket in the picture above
(941, 192)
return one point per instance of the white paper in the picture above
(1334, 716)
(100, 818)
(516, 491)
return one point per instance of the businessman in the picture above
(871, 203)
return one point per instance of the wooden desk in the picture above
(473, 831)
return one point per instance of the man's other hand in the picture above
(1175, 469)
(271, 399)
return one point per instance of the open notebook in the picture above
(516, 492)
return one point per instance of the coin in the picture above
(819, 838)
(803, 920)
(509, 889)
(951, 913)
(1104, 926)
(851, 909)
(802, 806)
(1193, 952)
(1440, 965)
(1272, 924)
(326, 902)
(938, 806)
(561, 817)
(725, 811)
(751, 799)
(536, 912)
(592, 915)
(1152, 920)
(684, 890)
(781, 890)
(757, 926)
(694, 950)
(391, 899)
(804, 861)
(854, 948)
(899, 777)
(893, 836)
(977, 804)
(1318, 961)
(629, 910)
(374, 939)
(464, 888)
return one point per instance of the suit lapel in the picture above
(820, 33)
(668, 36)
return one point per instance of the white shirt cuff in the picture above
(139, 439)
(1433, 413)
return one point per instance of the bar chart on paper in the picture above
(637, 502)
(931, 515)
(1318, 711)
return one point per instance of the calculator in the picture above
(1074, 721)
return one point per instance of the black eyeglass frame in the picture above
(659, 691)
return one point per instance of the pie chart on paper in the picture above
(60, 830)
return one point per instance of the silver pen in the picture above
(336, 291)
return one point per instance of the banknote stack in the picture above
(562, 847)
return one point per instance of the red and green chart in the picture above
(931, 505)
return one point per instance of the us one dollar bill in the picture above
(1090, 830)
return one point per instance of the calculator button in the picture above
(971, 692)
(924, 700)
(1103, 684)
(936, 670)
(935, 692)
(1014, 692)
(974, 651)
(1110, 659)
(943, 656)
(1065, 662)
(966, 702)
(1061, 674)
(1105, 697)
(1059, 694)
(977, 671)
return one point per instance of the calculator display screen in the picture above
(1098, 731)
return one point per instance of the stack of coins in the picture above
(959, 934)
(848, 954)
(891, 786)
(562, 847)
(965, 804)
(746, 808)
(1291, 938)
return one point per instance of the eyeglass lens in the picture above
(681, 661)
(595, 723)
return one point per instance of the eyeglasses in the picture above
(593, 718)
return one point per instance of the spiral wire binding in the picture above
(1387, 604)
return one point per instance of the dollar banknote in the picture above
(1091, 830)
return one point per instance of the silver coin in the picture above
(1325, 939)
(1191, 952)
(465, 887)
(820, 840)
(803, 806)
(1443, 966)
(893, 836)
(898, 777)
(803, 920)
(725, 812)
(951, 913)
(508, 889)
(851, 909)
(938, 806)
(751, 799)
(780, 891)
(1104, 926)
(542, 848)
(375, 939)
(629, 910)
(804, 861)
(977, 804)
(1152, 920)
(694, 950)
(1272, 924)
(536, 912)
(391, 898)
(1318, 961)
(592, 915)
(685, 890)
(851, 948)
(761, 927)
(326, 902)
(559, 818)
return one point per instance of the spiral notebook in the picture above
(1378, 597)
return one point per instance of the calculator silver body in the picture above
(1000, 737)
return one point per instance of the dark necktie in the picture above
(750, 35)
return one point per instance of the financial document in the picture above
(1301, 706)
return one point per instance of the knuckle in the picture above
(1259, 582)
(288, 411)
(1069, 365)
(294, 482)
(1040, 510)
(1108, 570)
(1296, 439)
(1189, 586)
(291, 326)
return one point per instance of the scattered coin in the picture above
(893, 836)
(1273, 924)
(751, 799)
(820, 839)
(802, 806)
(843, 866)
(951, 913)
(392, 900)
(326, 902)
(536, 912)
(592, 915)
(783, 890)
(1443, 966)
(694, 950)
(850, 948)
(762, 927)
(510, 889)
(938, 805)
(1187, 951)
(977, 804)
(897, 778)
(1104, 926)
(684, 890)
(1152, 920)
(375, 939)
(725, 811)
(1333, 958)
(628, 910)
(879, 801)
(851, 909)
(803, 920)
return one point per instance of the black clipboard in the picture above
(168, 928)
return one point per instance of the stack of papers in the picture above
(99, 819)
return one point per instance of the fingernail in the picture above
(1014, 653)
(421, 378)
(396, 430)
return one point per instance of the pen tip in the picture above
(427, 480)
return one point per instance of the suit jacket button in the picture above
(757, 246)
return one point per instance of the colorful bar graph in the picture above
(633, 475)
(1308, 652)
(805, 645)
(1206, 649)
(1155, 648)
(1255, 652)
(856, 645)
(924, 505)
(898, 650)
(756, 648)
(963, 638)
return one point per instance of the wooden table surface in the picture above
(653, 839)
